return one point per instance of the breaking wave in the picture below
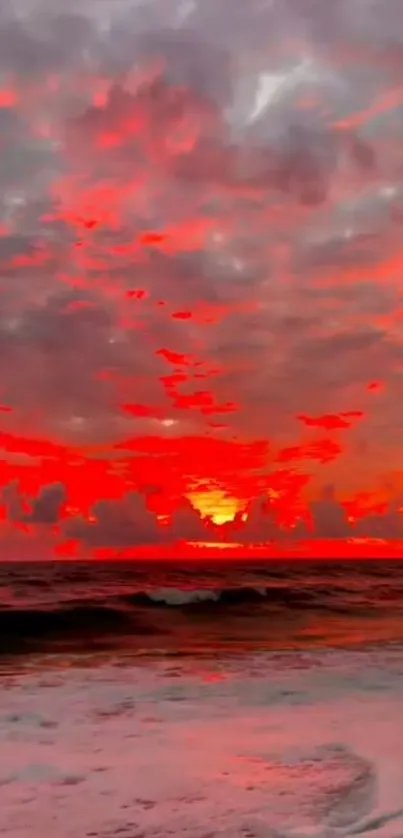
(151, 612)
(171, 597)
(141, 607)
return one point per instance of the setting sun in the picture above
(215, 505)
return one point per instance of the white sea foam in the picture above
(294, 745)
(176, 596)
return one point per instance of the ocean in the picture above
(225, 699)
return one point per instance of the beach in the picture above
(267, 744)
(218, 701)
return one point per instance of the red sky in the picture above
(200, 284)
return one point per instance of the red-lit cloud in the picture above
(200, 272)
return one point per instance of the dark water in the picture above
(161, 609)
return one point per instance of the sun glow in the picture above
(216, 506)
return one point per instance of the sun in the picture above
(216, 505)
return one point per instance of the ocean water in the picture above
(209, 700)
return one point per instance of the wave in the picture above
(171, 597)
(24, 629)
(99, 621)
(125, 612)
(283, 596)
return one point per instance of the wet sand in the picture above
(297, 743)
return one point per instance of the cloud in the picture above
(46, 507)
(117, 524)
(221, 181)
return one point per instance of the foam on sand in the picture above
(293, 745)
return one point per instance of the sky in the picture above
(201, 314)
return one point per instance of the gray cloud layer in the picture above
(264, 141)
